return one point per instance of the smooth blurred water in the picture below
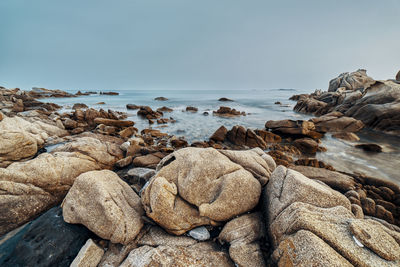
(260, 107)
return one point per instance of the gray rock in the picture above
(200, 233)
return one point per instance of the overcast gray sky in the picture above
(188, 44)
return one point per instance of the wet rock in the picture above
(178, 142)
(224, 99)
(106, 205)
(306, 145)
(382, 213)
(346, 136)
(370, 147)
(311, 162)
(398, 76)
(243, 234)
(132, 106)
(192, 109)
(268, 137)
(89, 255)
(149, 161)
(337, 124)
(161, 98)
(101, 103)
(70, 124)
(237, 135)
(357, 211)
(200, 233)
(127, 132)
(162, 121)
(195, 187)
(357, 80)
(219, 135)
(291, 127)
(79, 106)
(47, 241)
(116, 123)
(124, 162)
(109, 93)
(335, 180)
(164, 109)
(241, 136)
(310, 105)
(148, 113)
(368, 206)
(228, 112)
(205, 113)
(379, 107)
(37, 92)
(139, 175)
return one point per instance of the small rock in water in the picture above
(200, 233)
(370, 147)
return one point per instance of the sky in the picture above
(194, 45)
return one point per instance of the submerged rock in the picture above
(161, 98)
(370, 147)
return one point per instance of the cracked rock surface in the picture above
(195, 187)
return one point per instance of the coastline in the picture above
(269, 173)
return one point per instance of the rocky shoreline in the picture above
(86, 188)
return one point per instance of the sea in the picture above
(260, 106)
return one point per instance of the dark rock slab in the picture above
(47, 241)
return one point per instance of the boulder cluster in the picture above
(86, 188)
(375, 103)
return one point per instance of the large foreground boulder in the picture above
(31, 187)
(105, 204)
(311, 224)
(196, 186)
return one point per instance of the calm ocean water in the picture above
(260, 107)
